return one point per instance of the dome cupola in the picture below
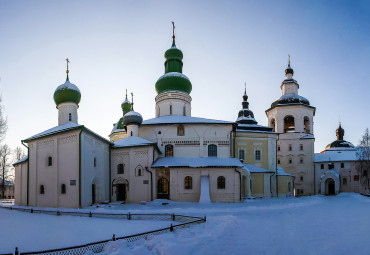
(340, 142)
(245, 115)
(132, 117)
(126, 105)
(289, 69)
(173, 79)
(67, 92)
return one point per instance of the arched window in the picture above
(212, 150)
(188, 182)
(306, 124)
(184, 111)
(94, 161)
(42, 189)
(344, 181)
(168, 149)
(289, 124)
(257, 155)
(50, 161)
(180, 130)
(70, 116)
(63, 189)
(221, 182)
(139, 171)
(120, 169)
(131, 133)
(289, 187)
(272, 124)
(170, 109)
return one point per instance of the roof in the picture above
(64, 128)
(253, 128)
(132, 142)
(281, 172)
(22, 160)
(179, 119)
(308, 136)
(336, 155)
(196, 162)
(255, 169)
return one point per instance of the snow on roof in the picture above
(331, 172)
(24, 159)
(195, 162)
(68, 85)
(307, 137)
(55, 130)
(131, 142)
(174, 74)
(255, 169)
(336, 155)
(179, 119)
(281, 172)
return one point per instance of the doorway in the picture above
(93, 193)
(121, 192)
(330, 187)
(163, 189)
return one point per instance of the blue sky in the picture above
(118, 45)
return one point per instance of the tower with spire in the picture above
(291, 115)
(67, 97)
(173, 88)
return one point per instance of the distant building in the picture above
(8, 190)
(335, 167)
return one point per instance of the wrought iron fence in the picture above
(186, 221)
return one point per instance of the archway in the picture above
(289, 124)
(163, 188)
(329, 187)
(120, 189)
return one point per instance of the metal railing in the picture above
(186, 221)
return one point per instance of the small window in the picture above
(278, 147)
(257, 155)
(322, 166)
(365, 173)
(170, 109)
(221, 182)
(50, 161)
(302, 191)
(168, 150)
(290, 161)
(301, 178)
(63, 189)
(120, 169)
(355, 178)
(290, 147)
(301, 147)
(241, 154)
(180, 130)
(131, 133)
(42, 189)
(139, 171)
(344, 181)
(184, 111)
(289, 187)
(94, 161)
(212, 150)
(188, 182)
(70, 116)
(278, 161)
(341, 165)
(331, 166)
(301, 160)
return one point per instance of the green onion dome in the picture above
(67, 92)
(132, 118)
(173, 79)
(126, 106)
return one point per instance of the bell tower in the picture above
(292, 117)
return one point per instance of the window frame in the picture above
(258, 155)
(221, 182)
(63, 189)
(188, 183)
(119, 169)
(212, 150)
(168, 150)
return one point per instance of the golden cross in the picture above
(67, 63)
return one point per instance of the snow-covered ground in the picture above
(35, 231)
(307, 225)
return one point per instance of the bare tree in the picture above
(363, 160)
(18, 154)
(3, 123)
(5, 167)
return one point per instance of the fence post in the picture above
(16, 251)
(90, 214)
(58, 213)
(205, 218)
(173, 216)
(171, 228)
(31, 210)
(114, 237)
(129, 216)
